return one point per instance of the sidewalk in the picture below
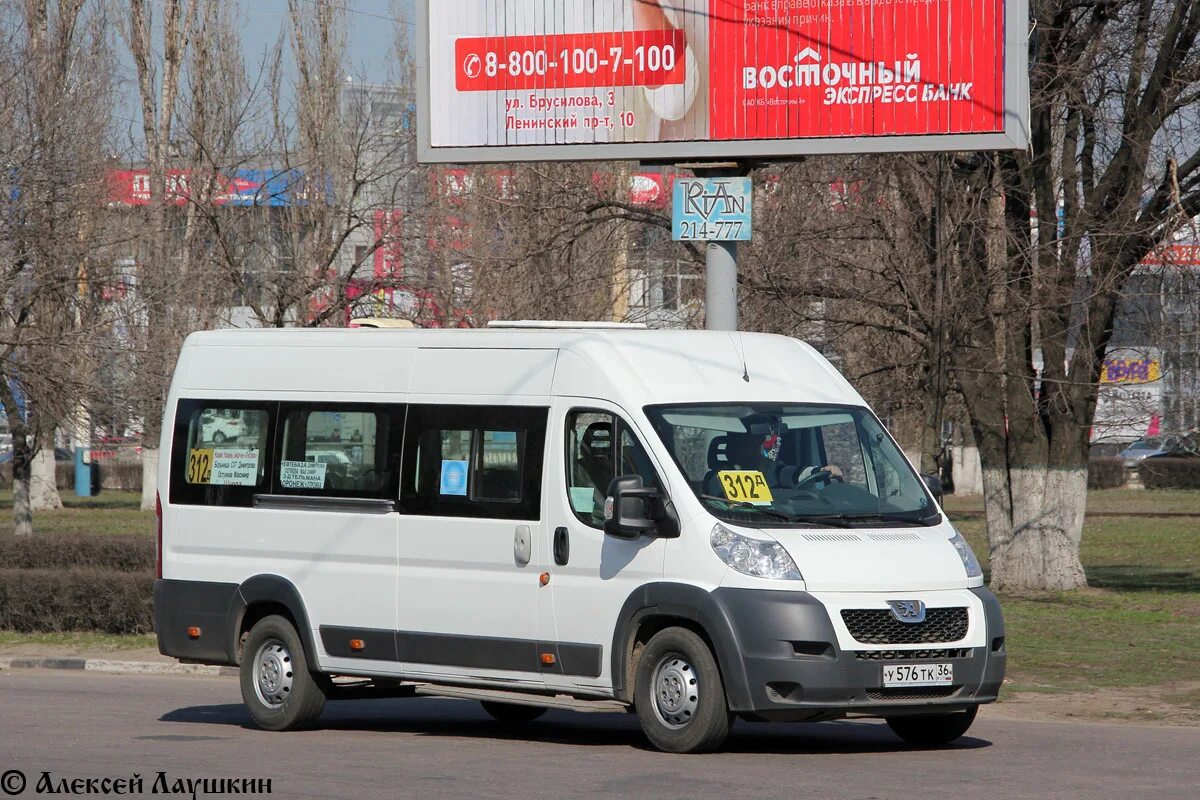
(141, 661)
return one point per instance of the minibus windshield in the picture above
(775, 464)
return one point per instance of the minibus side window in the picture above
(339, 450)
(471, 461)
(219, 453)
(601, 447)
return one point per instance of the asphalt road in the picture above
(76, 724)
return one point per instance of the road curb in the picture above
(117, 667)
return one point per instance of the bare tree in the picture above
(56, 99)
(157, 94)
(1107, 79)
(1021, 313)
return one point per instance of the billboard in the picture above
(681, 80)
(1186, 256)
(242, 188)
(1131, 395)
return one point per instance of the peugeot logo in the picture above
(911, 612)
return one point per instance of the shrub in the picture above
(1106, 473)
(89, 599)
(1170, 473)
(114, 475)
(121, 552)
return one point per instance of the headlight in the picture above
(970, 562)
(753, 556)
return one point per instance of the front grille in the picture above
(912, 655)
(928, 693)
(880, 626)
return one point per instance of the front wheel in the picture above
(679, 695)
(932, 730)
(277, 687)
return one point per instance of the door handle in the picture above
(522, 545)
(562, 547)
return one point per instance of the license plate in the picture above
(918, 675)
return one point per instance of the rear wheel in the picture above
(679, 695)
(932, 729)
(277, 687)
(511, 713)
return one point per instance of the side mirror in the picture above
(631, 510)
(934, 484)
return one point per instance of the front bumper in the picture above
(788, 663)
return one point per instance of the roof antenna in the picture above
(740, 348)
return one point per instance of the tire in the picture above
(679, 695)
(219, 437)
(932, 730)
(279, 691)
(511, 713)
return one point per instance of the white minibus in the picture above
(696, 526)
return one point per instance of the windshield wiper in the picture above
(779, 515)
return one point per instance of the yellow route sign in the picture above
(745, 486)
(199, 467)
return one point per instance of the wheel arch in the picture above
(264, 595)
(661, 605)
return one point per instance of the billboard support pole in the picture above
(720, 267)
(720, 287)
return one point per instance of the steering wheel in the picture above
(820, 475)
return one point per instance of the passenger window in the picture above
(474, 462)
(220, 451)
(499, 473)
(600, 448)
(341, 451)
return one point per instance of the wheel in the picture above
(932, 729)
(219, 437)
(679, 695)
(511, 712)
(277, 687)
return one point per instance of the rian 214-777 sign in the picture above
(503, 80)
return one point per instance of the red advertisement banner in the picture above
(799, 68)
(1174, 255)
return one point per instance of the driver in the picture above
(761, 453)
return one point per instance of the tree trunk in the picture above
(21, 462)
(1037, 548)
(150, 477)
(931, 428)
(22, 457)
(1034, 507)
(43, 482)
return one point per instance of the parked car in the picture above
(1141, 449)
(1186, 446)
(221, 427)
(328, 457)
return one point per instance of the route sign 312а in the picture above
(713, 210)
